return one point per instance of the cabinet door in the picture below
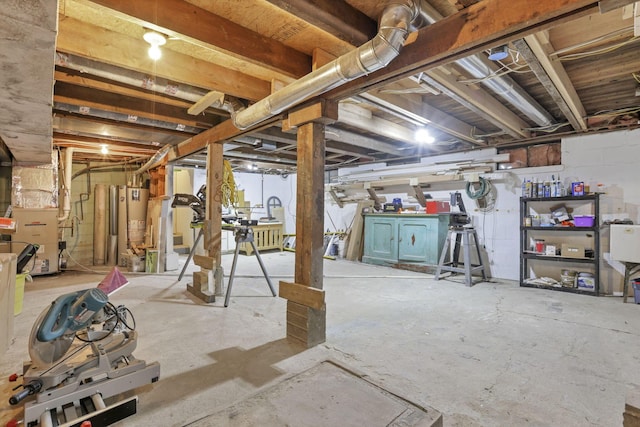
(413, 239)
(380, 239)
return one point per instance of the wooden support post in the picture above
(213, 238)
(207, 283)
(306, 323)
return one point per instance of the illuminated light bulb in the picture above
(422, 136)
(155, 53)
(104, 149)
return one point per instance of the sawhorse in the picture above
(244, 234)
(465, 234)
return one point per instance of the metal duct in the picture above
(395, 23)
(503, 86)
(141, 80)
(159, 155)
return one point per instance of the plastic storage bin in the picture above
(583, 221)
(636, 289)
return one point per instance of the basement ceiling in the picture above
(89, 82)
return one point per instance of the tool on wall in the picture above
(81, 355)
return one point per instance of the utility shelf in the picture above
(537, 264)
(558, 288)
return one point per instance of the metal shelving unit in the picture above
(528, 258)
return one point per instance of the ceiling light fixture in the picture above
(104, 149)
(156, 40)
(499, 53)
(423, 136)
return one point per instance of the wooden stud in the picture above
(301, 294)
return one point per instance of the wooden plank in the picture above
(99, 44)
(354, 248)
(178, 18)
(203, 261)
(609, 5)
(310, 205)
(481, 101)
(301, 294)
(88, 81)
(335, 17)
(414, 108)
(321, 112)
(541, 48)
(117, 103)
(481, 26)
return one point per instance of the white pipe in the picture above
(66, 202)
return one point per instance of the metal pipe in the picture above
(395, 23)
(159, 155)
(507, 89)
(136, 79)
(503, 86)
(68, 167)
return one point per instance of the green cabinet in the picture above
(392, 239)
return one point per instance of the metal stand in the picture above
(468, 269)
(244, 234)
(193, 249)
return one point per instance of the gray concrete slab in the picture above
(492, 354)
(329, 395)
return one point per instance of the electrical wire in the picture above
(576, 56)
(227, 192)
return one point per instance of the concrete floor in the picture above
(491, 355)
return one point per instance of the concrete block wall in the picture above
(608, 159)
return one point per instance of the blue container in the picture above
(636, 290)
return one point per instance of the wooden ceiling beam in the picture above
(177, 18)
(535, 49)
(478, 27)
(127, 105)
(478, 101)
(102, 45)
(92, 83)
(425, 114)
(474, 29)
(336, 17)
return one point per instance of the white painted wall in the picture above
(258, 188)
(609, 159)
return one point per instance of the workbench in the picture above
(396, 239)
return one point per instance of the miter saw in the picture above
(197, 203)
(81, 356)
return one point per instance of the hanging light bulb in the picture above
(423, 136)
(155, 40)
(155, 53)
(104, 149)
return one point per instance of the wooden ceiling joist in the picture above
(85, 40)
(177, 17)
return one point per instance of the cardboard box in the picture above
(625, 243)
(435, 206)
(572, 251)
